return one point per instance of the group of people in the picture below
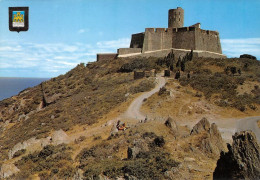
(120, 126)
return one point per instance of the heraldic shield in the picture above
(18, 19)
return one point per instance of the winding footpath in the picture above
(133, 111)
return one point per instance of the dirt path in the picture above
(229, 126)
(249, 123)
(133, 111)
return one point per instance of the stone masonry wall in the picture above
(184, 38)
(175, 18)
(177, 53)
(181, 38)
(106, 57)
(137, 40)
(208, 41)
(122, 51)
(157, 38)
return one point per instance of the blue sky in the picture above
(63, 33)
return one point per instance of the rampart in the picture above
(106, 56)
(208, 41)
(184, 38)
(181, 38)
(122, 51)
(137, 40)
(157, 38)
(177, 53)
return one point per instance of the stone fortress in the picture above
(158, 42)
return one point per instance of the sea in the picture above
(10, 86)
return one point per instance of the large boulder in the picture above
(60, 137)
(242, 161)
(170, 123)
(114, 129)
(202, 125)
(210, 140)
(7, 170)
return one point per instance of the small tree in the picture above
(190, 55)
(233, 70)
(188, 75)
(182, 66)
(177, 75)
(227, 69)
(239, 71)
(178, 64)
(171, 67)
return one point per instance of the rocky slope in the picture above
(61, 129)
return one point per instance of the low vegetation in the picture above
(223, 84)
(102, 159)
(50, 161)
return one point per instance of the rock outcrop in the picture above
(211, 140)
(59, 137)
(114, 129)
(172, 125)
(7, 170)
(242, 161)
(138, 147)
(202, 125)
(33, 144)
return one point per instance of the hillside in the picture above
(63, 128)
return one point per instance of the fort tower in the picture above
(176, 18)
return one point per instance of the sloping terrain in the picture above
(64, 127)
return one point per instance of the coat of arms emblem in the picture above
(18, 19)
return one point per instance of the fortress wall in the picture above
(157, 38)
(122, 51)
(161, 53)
(208, 41)
(184, 38)
(167, 38)
(106, 56)
(177, 53)
(137, 40)
(209, 55)
(154, 40)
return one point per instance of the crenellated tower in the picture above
(176, 18)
